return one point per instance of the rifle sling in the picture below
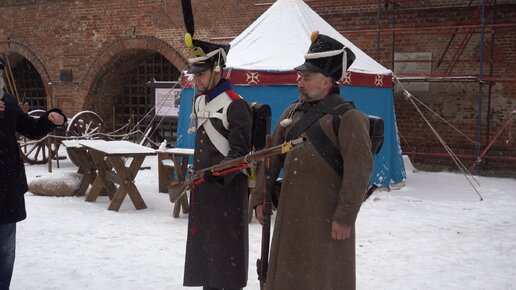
(328, 151)
(304, 123)
(308, 123)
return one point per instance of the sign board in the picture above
(167, 101)
(413, 63)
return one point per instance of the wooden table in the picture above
(180, 157)
(80, 156)
(110, 158)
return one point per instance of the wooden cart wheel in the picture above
(84, 125)
(36, 151)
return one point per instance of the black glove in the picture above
(210, 178)
(60, 113)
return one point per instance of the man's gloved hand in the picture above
(57, 117)
(210, 178)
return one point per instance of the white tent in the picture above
(280, 37)
(261, 61)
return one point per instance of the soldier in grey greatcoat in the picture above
(217, 245)
(324, 182)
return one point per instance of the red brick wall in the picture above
(92, 37)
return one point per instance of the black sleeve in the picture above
(34, 128)
(240, 124)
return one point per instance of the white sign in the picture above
(167, 102)
(414, 63)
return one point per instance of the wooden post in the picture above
(49, 147)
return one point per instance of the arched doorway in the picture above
(29, 85)
(121, 97)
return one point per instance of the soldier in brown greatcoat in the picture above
(313, 244)
(217, 245)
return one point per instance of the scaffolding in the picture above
(466, 30)
(472, 21)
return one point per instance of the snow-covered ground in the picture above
(432, 234)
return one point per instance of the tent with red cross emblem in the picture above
(260, 65)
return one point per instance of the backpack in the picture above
(376, 126)
(337, 109)
(376, 133)
(261, 124)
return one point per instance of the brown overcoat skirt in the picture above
(303, 254)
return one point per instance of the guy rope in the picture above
(467, 174)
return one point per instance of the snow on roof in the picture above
(280, 37)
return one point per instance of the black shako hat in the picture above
(328, 57)
(205, 55)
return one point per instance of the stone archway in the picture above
(121, 47)
(22, 53)
(117, 86)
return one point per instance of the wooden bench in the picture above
(173, 166)
(165, 171)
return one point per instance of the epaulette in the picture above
(233, 95)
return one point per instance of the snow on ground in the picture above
(432, 234)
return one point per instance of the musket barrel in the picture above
(176, 190)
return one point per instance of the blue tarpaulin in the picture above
(388, 164)
(264, 54)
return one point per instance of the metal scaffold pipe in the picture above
(480, 84)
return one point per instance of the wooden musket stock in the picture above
(262, 264)
(177, 189)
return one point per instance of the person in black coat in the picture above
(13, 182)
(217, 244)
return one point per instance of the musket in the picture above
(262, 264)
(370, 191)
(176, 189)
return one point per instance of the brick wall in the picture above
(95, 38)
